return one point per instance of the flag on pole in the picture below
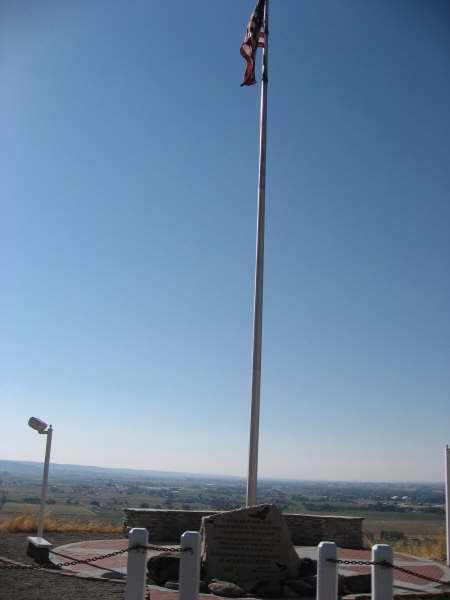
(254, 39)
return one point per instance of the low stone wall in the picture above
(310, 530)
(306, 530)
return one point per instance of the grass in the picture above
(433, 548)
(60, 510)
(28, 522)
(418, 534)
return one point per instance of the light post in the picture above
(44, 429)
(447, 503)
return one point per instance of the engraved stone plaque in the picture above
(248, 545)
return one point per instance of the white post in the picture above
(48, 433)
(190, 565)
(327, 572)
(447, 500)
(382, 577)
(136, 565)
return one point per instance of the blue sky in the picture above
(128, 198)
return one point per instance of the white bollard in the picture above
(327, 572)
(136, 565)
(189, 565)
(447, 501)
(382, 577)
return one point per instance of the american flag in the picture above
(254, 39)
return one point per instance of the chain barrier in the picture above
(384, 563)
(425, 577)
(6, 565)
(176, 549)
(353, 562)
(85, 561)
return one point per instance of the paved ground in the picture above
(46, 585)
(115, 567)
(402, 581)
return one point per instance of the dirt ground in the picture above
(39, 585)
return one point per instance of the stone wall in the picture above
(306, 530)
(309, 530)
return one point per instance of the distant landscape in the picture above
(397, 513)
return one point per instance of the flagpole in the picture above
(447, 502)
(259, 273)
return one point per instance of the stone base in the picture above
(38, 548)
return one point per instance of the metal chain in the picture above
(353, 562)
(84, 561)
(384, 563)
(11, 566)
(426, 577)
(165, 549)
(72, 563)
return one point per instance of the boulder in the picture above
(249, 544)
(226, 588)
(288, 592)
(302, 586)
(307, 567)
(163, 567)
(268, 589)
(359, 583)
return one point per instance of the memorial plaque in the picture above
(248, 545)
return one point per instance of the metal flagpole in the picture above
(259, 271)
(447, 502)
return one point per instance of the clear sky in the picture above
(128, 181)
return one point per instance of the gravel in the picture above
(40, 585)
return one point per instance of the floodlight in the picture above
(37, 424)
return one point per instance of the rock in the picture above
(226, 588)
(288, 592)
(172, 585)
(163, 567)
(359, 583)
(268, 589)
(304, 586)
(249, 544)
(250, 585)
(307, 567)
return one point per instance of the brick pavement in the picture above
(115, 567)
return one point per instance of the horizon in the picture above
(129, 188)
(243, 478)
